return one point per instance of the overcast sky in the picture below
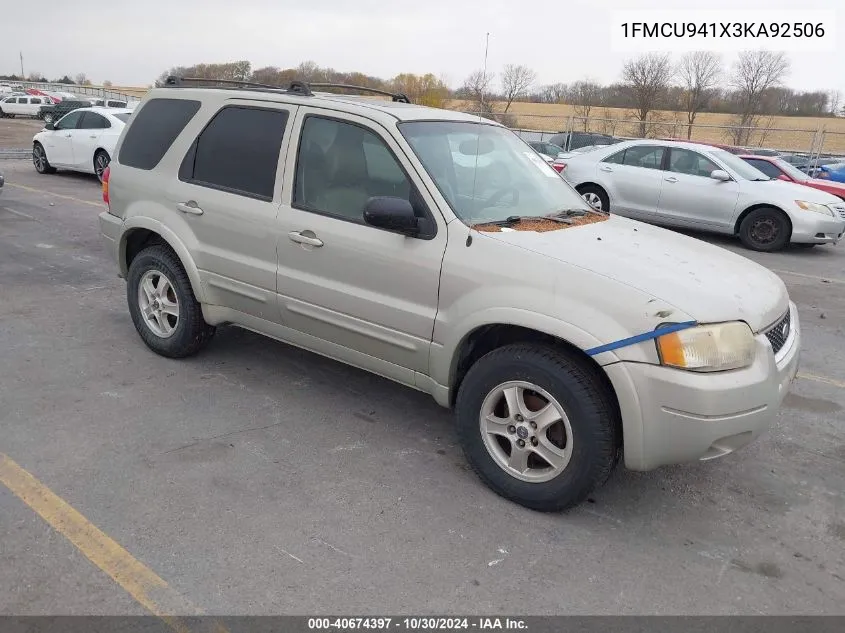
(131, 42)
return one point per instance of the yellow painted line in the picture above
(824, 379)
(100, 205)
(138, 580)
(832, 280)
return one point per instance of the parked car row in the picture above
(695, 186)
(51, 107)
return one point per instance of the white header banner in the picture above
(723, 30)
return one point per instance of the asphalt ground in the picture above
(256, 478)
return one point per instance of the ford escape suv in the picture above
(440, 251)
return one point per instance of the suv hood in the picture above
(708, 283)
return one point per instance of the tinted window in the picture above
(153, 130)
(238, 151)
(123, 116)
(765, 166)
(35, 100)
(644, 156)
(23, 100)
(69, 121)
(93, 121)
(617, 158)
(684, 161)
(341, 165)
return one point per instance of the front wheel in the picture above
(39, 160)
(162, 304)
(538, 426)
(765, 229)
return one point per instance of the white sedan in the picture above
(82, 140)
(700, 187)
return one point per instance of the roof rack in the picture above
(295, 87)
(395, 96)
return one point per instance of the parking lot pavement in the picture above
(257, 478)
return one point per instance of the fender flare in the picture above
(172, 240)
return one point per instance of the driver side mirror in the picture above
(49, 126)
(392, 214)
(720, 174)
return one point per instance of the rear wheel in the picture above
(101, 161)
(39, 160)
(765, 229)
(596, 197)
(538, 426)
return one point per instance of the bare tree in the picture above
(755, 73)
(516, 82)
(476, 85)
(646, 79)
(835, 102)
(81, 80)
(583, 96)
(107, 83)
(553, 93)
(699, 73)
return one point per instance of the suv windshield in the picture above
(487, 173)
(738, 165)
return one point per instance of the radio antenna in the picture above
(484, 75)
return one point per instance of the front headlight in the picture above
(814, 206)
(708, 347)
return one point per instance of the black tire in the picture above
(3, 115)
(594, 191)
(101, 161)
(191, 331)
(765, 229)
(39, 160)
(591, 410)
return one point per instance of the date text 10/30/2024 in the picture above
(417, 624)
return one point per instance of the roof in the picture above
(104, 110)
(379, 109)
(691, 145)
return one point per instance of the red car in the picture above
(776, 167)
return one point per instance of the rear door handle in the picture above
(189, 207)
(299, 238)
(603, 168)
(671, 179)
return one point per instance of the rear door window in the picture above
(647, 156)
(153, 130)
(238, 151)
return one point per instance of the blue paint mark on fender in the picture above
(639, 338)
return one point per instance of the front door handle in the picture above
(671, 179)
(68, 135)
(299, 238)
(189, 207)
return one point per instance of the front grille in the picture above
(779, 332)
(840, 209)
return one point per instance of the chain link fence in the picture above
(804, 147)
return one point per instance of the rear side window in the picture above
(154, 129)
(238, 151)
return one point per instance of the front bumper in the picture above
(110, 229)
(672, 416)
(814, 228)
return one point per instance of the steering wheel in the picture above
(501, 193)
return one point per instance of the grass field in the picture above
(779, 132)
